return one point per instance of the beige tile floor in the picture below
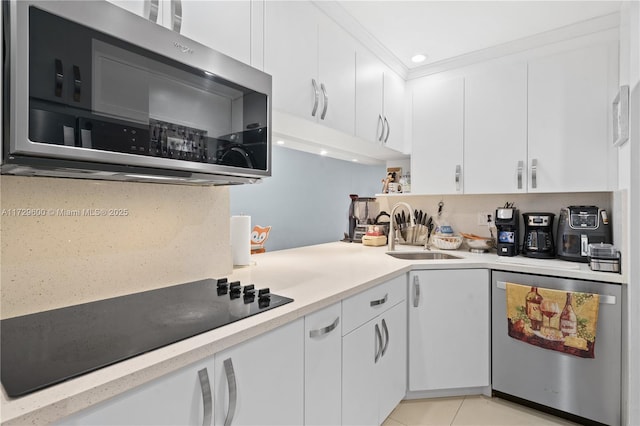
(469, 410)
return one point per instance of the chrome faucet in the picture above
(392, 234)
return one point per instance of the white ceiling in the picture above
(447, 29)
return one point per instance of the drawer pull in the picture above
(386, 333)
(378, 344)
(325, 330)
(233, 390)
(206, 397)
(520, 169)
(380, 301)
(316, 97)
(325, 98)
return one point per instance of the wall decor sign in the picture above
(621, 116)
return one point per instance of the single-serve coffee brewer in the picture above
(508, 228)
(538, 235)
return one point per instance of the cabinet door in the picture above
(142, 8)
(222, 25)
(337, 73)
(437, 136)
(323, 367)
(569, 107)
(495, 130)
(369, 95)
(291, 55)
(174, 399)
(393, 362)
(360, 381)
(449, 329)
(260, 381)
(394, 100)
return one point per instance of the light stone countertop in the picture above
(314, 276)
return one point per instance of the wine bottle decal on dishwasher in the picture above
(568, 319)
(534, 313)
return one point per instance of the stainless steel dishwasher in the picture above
(589, 388)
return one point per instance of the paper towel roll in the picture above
(241, 240)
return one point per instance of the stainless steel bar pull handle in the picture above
(386, 334)
(605, 299)
(520, 169)
(151, 8)
(378, 344)
(176, 15)
(386, 124)
(233, 391)
(325, 330)
(458, 175)
(379, 301)
(416, 291)
(380, 134)
(316, 97)
(325, 98)
(206, 397)
(534, 173)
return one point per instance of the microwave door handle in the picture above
(176, 15)
(59, 78)
(151, 8)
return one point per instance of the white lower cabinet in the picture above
(374, 358)
(449, 329)
(260, 381)
(323, 366)
(183, 397)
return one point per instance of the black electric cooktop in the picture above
(46, 348)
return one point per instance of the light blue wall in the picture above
(306, 200)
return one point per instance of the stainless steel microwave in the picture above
(93, 91)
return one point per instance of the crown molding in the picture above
(335, 11)
(580, 29)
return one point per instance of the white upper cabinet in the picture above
(225, 26)
(312, 61)
(539, 122)
(379, 102)
(495, 130)
(394, 110)
(222, 25)
(145, 8)
(369, 95)
(437, 128)
(570, 96)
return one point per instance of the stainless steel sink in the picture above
(422, 255)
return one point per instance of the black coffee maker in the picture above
(538, 235)
(508, 228)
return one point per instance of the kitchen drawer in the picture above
(363, 307)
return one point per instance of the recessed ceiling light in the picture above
(280, 142)
(355, 160)
(324, 152)
(418, 58)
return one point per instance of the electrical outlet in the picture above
(485, 218)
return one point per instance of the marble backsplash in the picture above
(69, 241)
